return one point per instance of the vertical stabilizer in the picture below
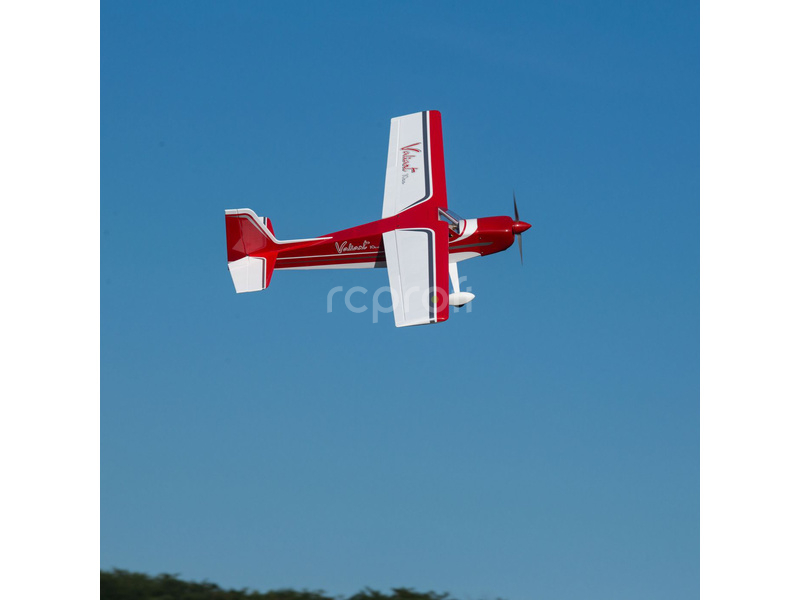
(252, 249)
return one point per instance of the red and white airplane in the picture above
(418, 239)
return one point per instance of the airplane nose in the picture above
(519, 226)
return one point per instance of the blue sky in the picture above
(545, 444)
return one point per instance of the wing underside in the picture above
(416, 260)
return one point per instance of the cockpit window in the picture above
(455, 222)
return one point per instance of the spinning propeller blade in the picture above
(518, 227)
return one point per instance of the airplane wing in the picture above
(417, 262)
(415, 165)
(417, 250)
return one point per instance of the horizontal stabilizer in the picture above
(251, 273)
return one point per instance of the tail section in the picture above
(253, 249)
(251, 273)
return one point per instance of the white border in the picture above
(750, 300)
(49, 420)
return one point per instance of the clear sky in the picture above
(544, 444)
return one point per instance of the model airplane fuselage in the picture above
(418, 239)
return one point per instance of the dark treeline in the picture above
(124, 585)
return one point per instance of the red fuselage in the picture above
(361, 247)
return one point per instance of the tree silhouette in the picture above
(119, 584)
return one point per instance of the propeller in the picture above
(518, 227)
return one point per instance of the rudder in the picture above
(252, 249)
